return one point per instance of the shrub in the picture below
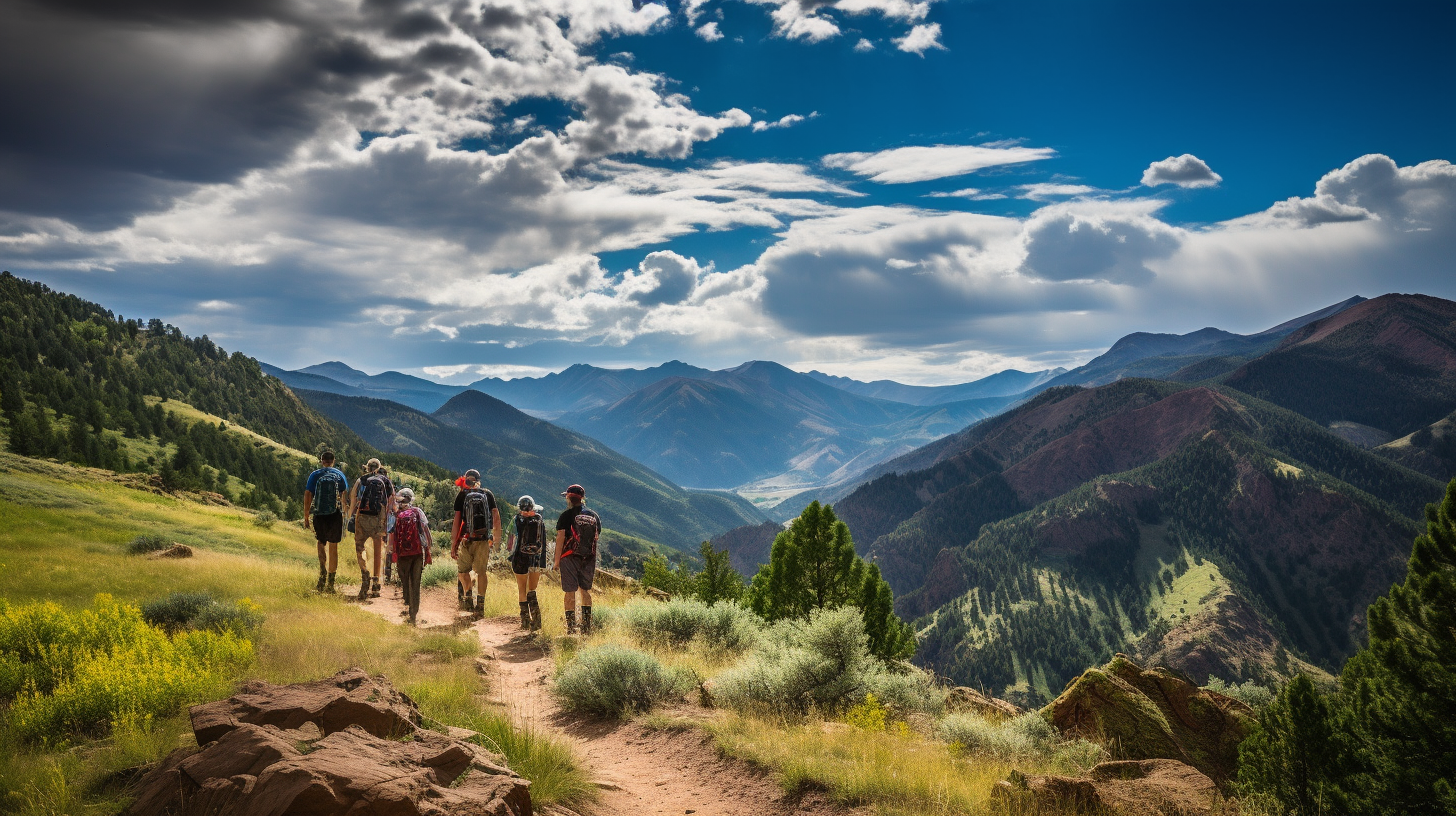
(675, 623)
(1249, 693)
(82, 672)
(1018, 739)
(439, 573)
(242, 618)
(201, 611)
(146, 543)
(265, 519)
(610, 681)
(825, 665)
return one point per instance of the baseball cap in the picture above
(575, 490)
(405, 495)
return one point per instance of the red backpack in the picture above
(409, 534)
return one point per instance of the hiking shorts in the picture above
(522, 564)
(474, 555)
(368, 527)
(329, 529)
(577, 573)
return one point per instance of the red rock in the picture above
(349, 698)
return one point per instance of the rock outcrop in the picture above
(347, 745)
(1147, 787)
(1154, 714)
(962, 698)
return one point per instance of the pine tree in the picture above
(718, 581)
(813, 566)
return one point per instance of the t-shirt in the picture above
(490, 507)
(312, 484)
(567, 519)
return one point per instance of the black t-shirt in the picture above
(489, 503)
(359, 490)
(568, 518)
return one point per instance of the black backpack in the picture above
(532, 535)
(476, 514)
(372, 495)
(585, 529)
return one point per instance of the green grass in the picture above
(64, 533)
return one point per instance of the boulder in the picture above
(350, 744)
(174, 551)
(349, 698)
(962, 698)
(1154, 714)
(1147, 787)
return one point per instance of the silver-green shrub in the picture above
(611, 680)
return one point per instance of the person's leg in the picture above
(411, 570)
(521, 599)
(333, 564)
(464, 563)
(568, 592)
(588, 574)
(323, 557)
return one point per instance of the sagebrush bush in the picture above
(176, 611)
(441, 572)
(1249, 693)
(611, 680)
(146, 543)
(677, 622)
(200, 610)
(85, 671)
(1017, 739)
(823, 664)
(265, 519)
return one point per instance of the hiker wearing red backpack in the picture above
(577, 531)
(372, 500)
(477, 528)
(409, 548)
(526, 546)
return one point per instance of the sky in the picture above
(921, 190)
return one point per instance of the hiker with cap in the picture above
(409, 547)
(477, 528)
(577, 531)
(323, 510)
(389, 528)
(370, 505)
(526, 546)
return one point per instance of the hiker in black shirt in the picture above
(577, 531)
(477, 528)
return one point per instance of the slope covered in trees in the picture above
(82, 384)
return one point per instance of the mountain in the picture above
(748, 546)
(1196, 523)
(1188, 357)
(1001, 384)
(1387, 363)
(581, 387)
(518, 454)
(766, 426)
(337, 378)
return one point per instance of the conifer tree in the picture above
(718, 581)
(813, 566)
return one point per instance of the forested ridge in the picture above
(75, 383)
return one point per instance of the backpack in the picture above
(531, 535)
(476, 515)
(584, 531)
(326, 491)
(372, 494)
(408, 535)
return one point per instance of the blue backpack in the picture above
(326, 491)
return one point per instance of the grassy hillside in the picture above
(517, 454)
(64, 533)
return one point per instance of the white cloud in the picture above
(909, 164)
(808, 20)
(921, 38)
(1187, 171)
(709, 31)
(1048, 191)
(1420, 197)
(1098, 241)
(864, 45)
(783, 122)
(215, 305)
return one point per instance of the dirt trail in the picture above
(639, 770)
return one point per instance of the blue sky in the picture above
(878, 188)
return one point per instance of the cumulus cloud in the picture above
(902, 165)
(1047, 191)
(662, 277)
(1420, 197)
(783, 122)
(1187, 171)
(810, 20)
(921, 38)
(864, 45)
(1107, 242)
(709, 31)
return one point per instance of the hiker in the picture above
(389, 528)
(323, 510)
(409, 546)
(477, 528)
(371, 502)
(526, 546)
(577, 531)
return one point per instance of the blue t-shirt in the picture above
(314, 477)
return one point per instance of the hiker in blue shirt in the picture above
(323, 510)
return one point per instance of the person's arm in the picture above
(455, 537)
(307, 506)
(495, 527)
(560, 541)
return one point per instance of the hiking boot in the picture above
(534, 609)
(374, 589)
(329, 589)
(363, 586)
(322, 576)
(571, 622)
(459, 591)
(525, 615)
(586, 627)
(479, 608)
